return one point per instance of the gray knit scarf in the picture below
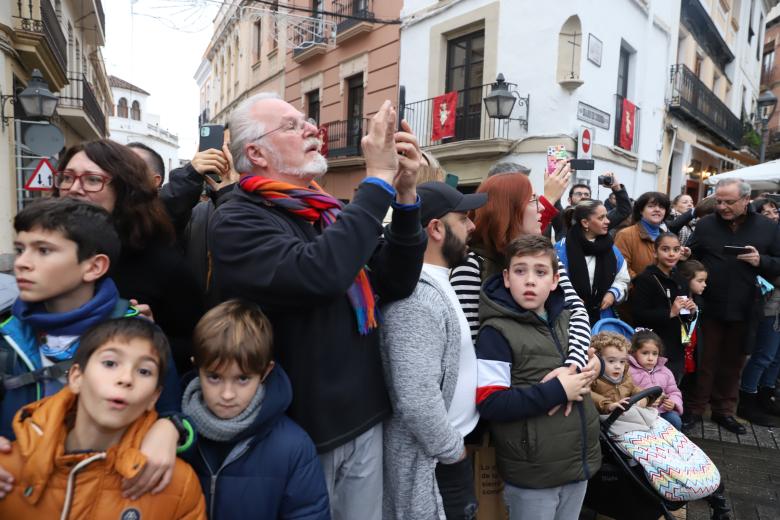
(211, 426)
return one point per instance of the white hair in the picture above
(245, 129)
(744, 187)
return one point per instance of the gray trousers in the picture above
(353, 474)
(557, 503)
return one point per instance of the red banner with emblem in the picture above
(627, 125)
(444, 107)
(323, 137)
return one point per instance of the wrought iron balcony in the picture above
(621, 122)
(352, 13)
(693, 100)
(344, 137)
(79, 95)
(39, 18)
(471, 120)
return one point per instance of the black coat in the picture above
(650, 307)
(731, 293)
(159, 276)
(299, 275)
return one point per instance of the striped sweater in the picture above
(466, 280)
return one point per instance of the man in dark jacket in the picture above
(730, 297)
(319, 278)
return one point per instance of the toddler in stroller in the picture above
(650, 468)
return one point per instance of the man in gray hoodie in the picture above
(431, 372)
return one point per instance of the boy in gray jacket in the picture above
(431, 372)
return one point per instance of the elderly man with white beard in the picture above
(319, 271)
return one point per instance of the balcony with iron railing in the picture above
(353, 17)
(312, 34)
(471, 119)
(40, 40)
(78, 100)
(344, 137)
(694, 101)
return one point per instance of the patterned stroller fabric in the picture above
(678, 469)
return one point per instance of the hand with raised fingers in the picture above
(409, 157)
(557, 182)
(379, 147)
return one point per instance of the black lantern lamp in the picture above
(767, 102)
(500, 102)
(37, 100)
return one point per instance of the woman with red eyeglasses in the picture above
(150, 269)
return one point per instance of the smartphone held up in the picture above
(212, 137)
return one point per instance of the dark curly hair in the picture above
(139, 216)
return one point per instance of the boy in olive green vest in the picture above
(545, 454)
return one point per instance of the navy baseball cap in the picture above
(439, 198)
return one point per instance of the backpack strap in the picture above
(55, 371)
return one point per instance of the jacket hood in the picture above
(278, 396)
(496, 301)
(661, 362)
(40, 429)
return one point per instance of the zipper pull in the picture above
(668, 294)
(213, 487)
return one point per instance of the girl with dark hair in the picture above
(150, 269)
(661, 301)
(596, 268)
(636, 241)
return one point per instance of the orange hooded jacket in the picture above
(48, 483)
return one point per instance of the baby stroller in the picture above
(622, 489)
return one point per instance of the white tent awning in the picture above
(764, 176)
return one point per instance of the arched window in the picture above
(121, 109)
(570, 53)
(135, 111)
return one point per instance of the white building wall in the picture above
(146, 131)
(528, 54)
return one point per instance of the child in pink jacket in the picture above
(648, 369)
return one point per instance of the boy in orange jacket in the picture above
(73, 449)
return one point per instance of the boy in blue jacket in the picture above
(64, 248)
(250, 457)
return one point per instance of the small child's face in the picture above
(647, 355)
(118, 384)
(668, 252)
(698, 283)
(227, 390)
(47, 266)
(530, 280)
(615, 361)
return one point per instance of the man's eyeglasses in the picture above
(90, 182)
(290, 125)
(719, 202)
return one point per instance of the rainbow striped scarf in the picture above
(316, 206)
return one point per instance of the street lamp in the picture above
(501, 101)
(37, 100)
(767, 102)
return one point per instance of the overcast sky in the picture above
(157, 45)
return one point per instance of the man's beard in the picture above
(315, 168)
(453, 250)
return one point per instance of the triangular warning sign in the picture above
(42, 178)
